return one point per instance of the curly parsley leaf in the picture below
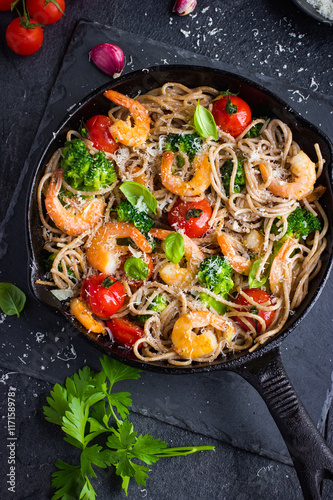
(75, 420)
(58, 405)
(116, 371)
(84, 407)
(67, 480)
(122, 402)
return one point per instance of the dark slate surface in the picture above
(277, 44)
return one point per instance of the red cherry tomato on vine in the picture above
(191, 216)
(259, 296)
(23, 38)
(232, 114)
(99, 134)
(5, 5)
(46, 13)
(104, 294)
(124, 331)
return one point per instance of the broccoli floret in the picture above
(84, 171)
(186, 143)
(209, 302)
(215, 273)
(128, 213)
(255, 131)
(240, 179)
(301, 222)
(158, 304)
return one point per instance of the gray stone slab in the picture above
(42, 344)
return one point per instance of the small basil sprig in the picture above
(253, 282)
(231, 109)
(193, 213)
(138, 194)
(136, 269)
(204, 123)
(174, 247)
(12, 299)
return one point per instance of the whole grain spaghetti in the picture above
(186, 297)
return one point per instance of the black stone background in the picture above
(292, 55)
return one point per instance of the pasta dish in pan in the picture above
(180, 225)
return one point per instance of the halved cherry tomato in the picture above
(124, 331)
(99, 133)
(191, 216)
(232, 114)
(104, 294)
(259, 296)
(23, 38)
(46, 13)
(136, 283)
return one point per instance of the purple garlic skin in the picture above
(108, 58)
(184, 7)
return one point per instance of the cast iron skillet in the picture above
(311, 11)
(263, 368)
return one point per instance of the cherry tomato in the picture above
(22, 39)
(45, 13)
(258, 296)
(104, 294)
(99, 133)
(124, 331)
(232, 114)
(5, 5)
(191, 216)
(136, 283)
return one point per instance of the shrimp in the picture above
(70, 222)
(84, 315)
(196, 186)
(239, 263)
(303, 178)
(190, 345)
(276, 272)
(173, 274)
(316, 194)
(104, 254)
(123, 131)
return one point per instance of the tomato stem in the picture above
(25, 19)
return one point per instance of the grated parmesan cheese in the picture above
(324, 7)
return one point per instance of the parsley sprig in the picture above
(86, 407)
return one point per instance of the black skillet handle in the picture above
(313, 459)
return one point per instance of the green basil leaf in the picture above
(174, 247)
(253, 282)
(193, 213)
(139, 196)
(12, 299)
(204, 123)
(136, 269)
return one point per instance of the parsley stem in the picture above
(184, 450)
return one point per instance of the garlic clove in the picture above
(184, 7)
(108, 58)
